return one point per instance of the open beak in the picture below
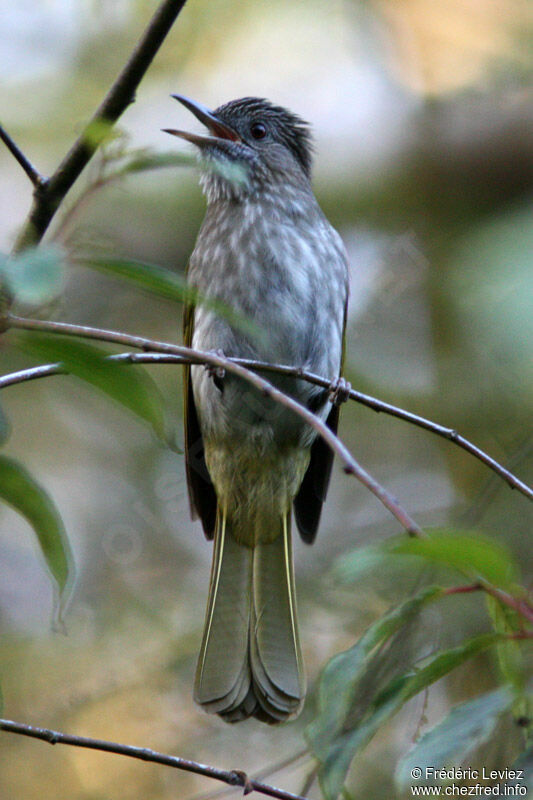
(218, 130)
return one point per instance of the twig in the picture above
(282, 369)
(31, 374)
(310, 778)
(466, 589)
(421, 422)
(118, 98)
(231, 777)
(350, 465)
(472, 515)
(35, 177)
(518, 604)
(266, 772)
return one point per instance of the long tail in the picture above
(250, 662)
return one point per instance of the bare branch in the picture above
(350, 465)
(518, 604)
(118, 98)
(35, 177)
(231, 777)
(370, 402)
(31, 374)
(266, 772)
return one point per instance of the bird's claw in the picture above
(242, 779)
(216, 372)
(339, 391)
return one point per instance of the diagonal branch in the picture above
(231, 777)
(380, 406)
(35, 177)
(49, 195)
(370, 402)
(350, 465)
(521, 605)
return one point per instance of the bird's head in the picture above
(251, 145)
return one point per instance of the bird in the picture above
(266, 251)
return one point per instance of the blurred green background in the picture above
(422, 115)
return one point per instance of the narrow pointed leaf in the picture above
(22, 492)
(465, 728)
(342, 675)
(143, 160)
(353, 738)
(505, 620)
(167, 284)
(473, 555)
(36, 275)
(130, 385)
(352, 567)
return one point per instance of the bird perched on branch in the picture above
(266, 251)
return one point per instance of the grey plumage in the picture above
(266, 250)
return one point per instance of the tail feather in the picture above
(223, 675)
(275, 651)
(250, 662)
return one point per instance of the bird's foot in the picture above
(242, 779)
(339, 391)
(217, 373)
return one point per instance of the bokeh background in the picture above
(423, 116)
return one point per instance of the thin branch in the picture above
(370, 402)
(518, 604)
(466, 589)
(310, 778)
(231, 777)
(266, 772)
(121, 94)
(31, 374)
(472, 515)
(350, 465)
(35, 177)
(380, 406)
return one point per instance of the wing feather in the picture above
(202, 497)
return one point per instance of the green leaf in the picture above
(36, 275)
(466, 727)
(476, 556)
(510, 661)
(342, 676)
(128, 384)
(25, 495)
(438, 666)
(155, 279)
(143, 160)
(357, 564)
(169, 285)
(357, 733)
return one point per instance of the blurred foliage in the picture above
(449, 742)
(131, 387)
(422, 114)
(19, 489)
(358, 693)
(36, 276)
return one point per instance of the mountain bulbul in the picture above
(266, 251)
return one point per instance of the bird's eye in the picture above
(258, 130)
